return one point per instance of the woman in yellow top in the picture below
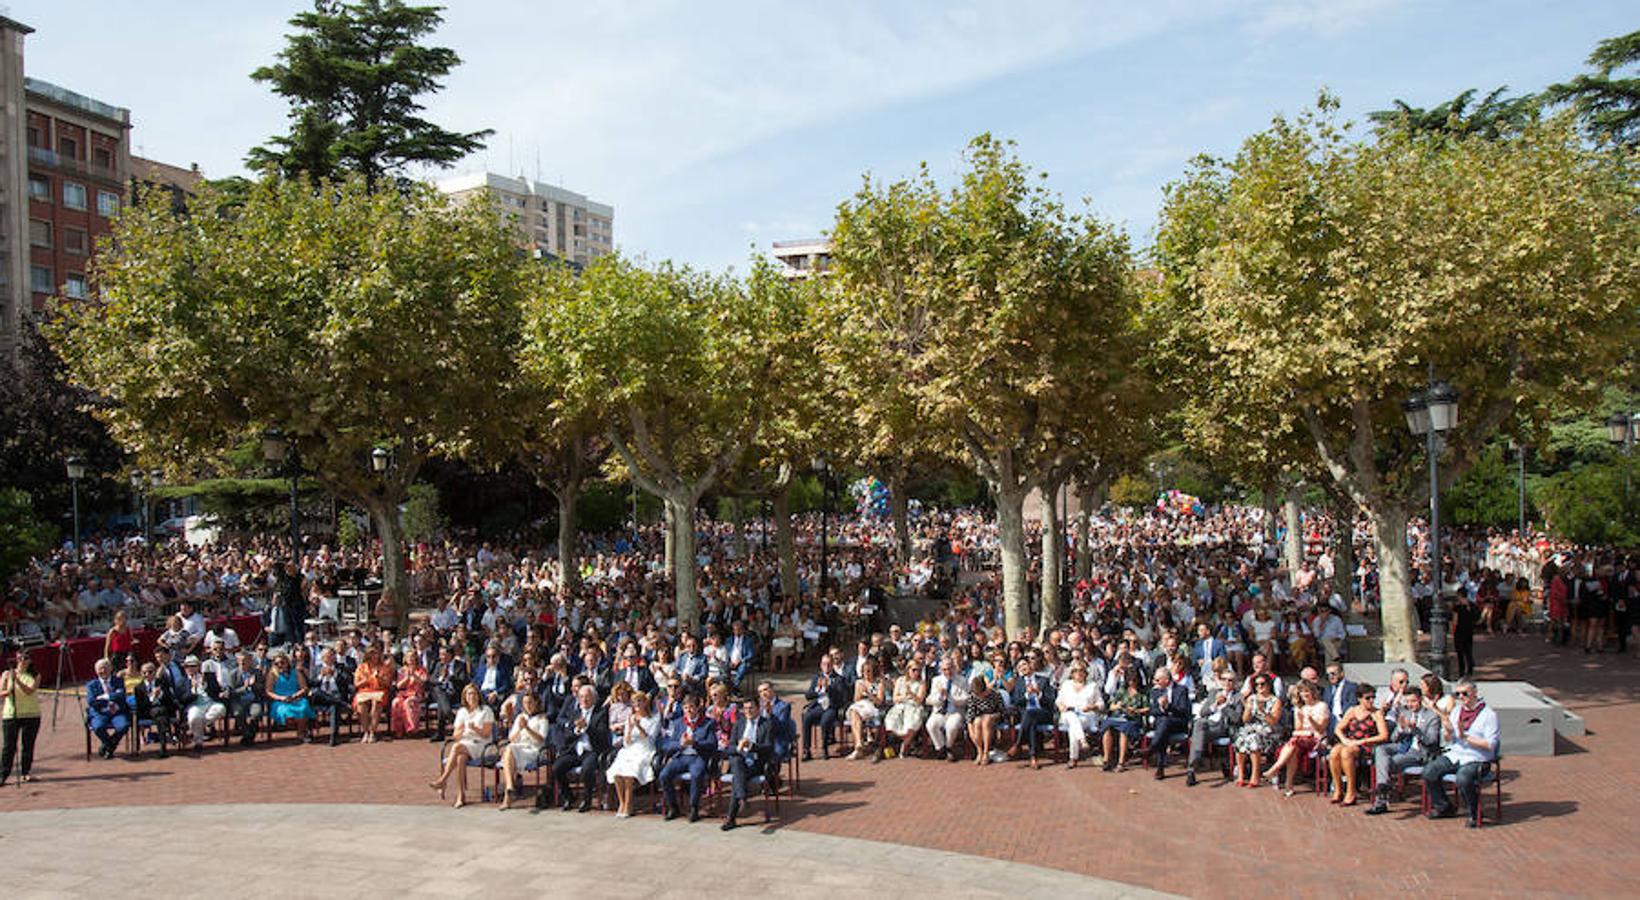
(370, 683)
(19, 715)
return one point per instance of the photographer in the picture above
(19, 714)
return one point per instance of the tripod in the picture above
(57, 697)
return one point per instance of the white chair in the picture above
(329, 612)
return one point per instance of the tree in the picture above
(682, 361)
(1609, 106)
(1495, 117)
(560, 437)
(353, 73)
(1001, 317)
(352, 321)
(22, 536)
(1332, 274)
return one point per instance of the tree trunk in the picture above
(568, 497)
(1400, 619)
(1084, 530)
(737, 516)
(384, 514)
(899, 509)
(682, 508)
(1016, 594)
(1270, 514)
(1053, 559)
(669, 538)
(1295, 536)
(1344, 549)
(785, 543)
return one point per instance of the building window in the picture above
(67, 148)
(76, 241)
(102, 157)
(39, 279)
(34, 137)
(74, 286)
(73, 195)
(39, 188)
(39, 233)
(107, 204)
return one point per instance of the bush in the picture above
(1587, 504)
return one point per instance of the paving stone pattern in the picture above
(1568, 821)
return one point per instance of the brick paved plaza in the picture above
(1566, 819)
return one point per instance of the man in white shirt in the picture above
(1472, 730)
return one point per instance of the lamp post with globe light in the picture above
(1431, 413)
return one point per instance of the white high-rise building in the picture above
(550, 221)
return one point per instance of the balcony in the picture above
(42, 156)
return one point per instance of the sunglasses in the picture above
(1463, 693)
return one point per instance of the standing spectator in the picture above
(1465, 617)
(19, 716)
(118, 643)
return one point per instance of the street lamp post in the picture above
(1430, 415)
(76, 471)
(143, 484)
(1520, 484)
(822, 469)
(1621, 430)
(278, 450)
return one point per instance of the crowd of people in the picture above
(1184, 635)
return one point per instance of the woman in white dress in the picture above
(475, 727)
(1081, 704)
(635, 764)
(524, 745)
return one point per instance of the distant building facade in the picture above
(65, 160)
(551, 222)
(803, 259)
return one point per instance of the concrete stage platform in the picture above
(1528, 719)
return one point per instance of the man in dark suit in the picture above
(634, 670)
(1169, 715)
(785, 728)
(691, 743)
(156, 704)
(1033, 697)
(742, 649)
(444, 681)
(828, 696)
(331, 687)
(1339, 694)
(107, 714)
(670, 706)
(582, 740)
(494, 676)
(691, 665)
(751, 752)
(599, 673)
(241, 687)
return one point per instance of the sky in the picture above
(714, 128)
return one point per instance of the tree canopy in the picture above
(353, 73)
(347, 319)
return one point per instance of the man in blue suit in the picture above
(691, 665)
(1340, 693)
(1169, 716)
(785, 727)
(109, 717)
(691, 743)
(1033, 697)
(828, 697)
(751, 752)
(742, 649)
(494, 676)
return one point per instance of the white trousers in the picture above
(944, 729)
(200, 717)
(1078, 725)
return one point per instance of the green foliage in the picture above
(1132, 491)
(1495, 117)
(248, 505)
(421, 516)
(22, 536)
(352, 73)
(348, 531)
(1488, 495)
(1594, 503)
(605, 506)
(1608, 104)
